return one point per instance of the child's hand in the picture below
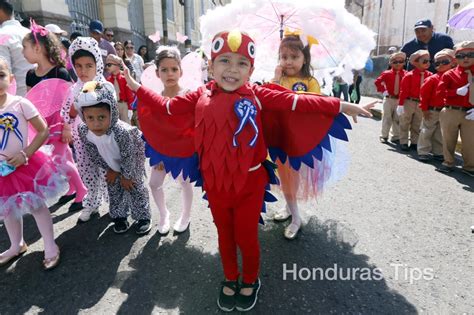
(66, 135)
(111, 176)
(127, 184)
(132, 84)
(354, 110)
(278, 74)
(17, 160)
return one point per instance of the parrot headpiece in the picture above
(233, 41)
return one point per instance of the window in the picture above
(170, 10)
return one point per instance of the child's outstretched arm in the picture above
(155, 103)
(355, 110)
(42, 134)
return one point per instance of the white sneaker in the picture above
(291, 231)
(87, 213)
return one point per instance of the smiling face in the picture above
(231, 71)
(97, 119)
(169, 72)
(424, 34)
(292, 61)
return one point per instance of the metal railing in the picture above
(82, 12)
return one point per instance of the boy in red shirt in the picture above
(457, 87)
(125, 95)
(388, 83)
(431, 104)
(409, 99)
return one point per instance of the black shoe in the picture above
(227, 302)
(470, 173)
(438, 157)
(413, 146)
(383, 140)
(445, 169)
(75, 206)
(142, 226)
(245, 303)
(396, 141)
(65, 199)
(121, 225)
(404, 147)
(424, 158)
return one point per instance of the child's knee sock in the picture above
(187, 194)
(14, 227)
(157, 178)
(295, 213)
(45, 226)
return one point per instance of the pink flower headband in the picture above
(37, 29)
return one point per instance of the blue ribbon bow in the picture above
(9, 123)
(246, 112)
(5, 168)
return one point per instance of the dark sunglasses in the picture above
(111, 64)
(444, 62)
(465, 55)
(129, 47)
(397, 62)
(423, 61)
(109, 35)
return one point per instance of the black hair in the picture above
(6, 7)
(294, 43)
(146, 57)
(82, 53)
(74, 35)
(65, 42)
(98, 105)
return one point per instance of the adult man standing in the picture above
(96, 29)
(12, 34)
(427, 39)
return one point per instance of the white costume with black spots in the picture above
(121, 149)
(92, 176)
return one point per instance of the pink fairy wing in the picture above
(155, 37)
(48, 96)
(192, 72)
(150, 80)
(180, 37)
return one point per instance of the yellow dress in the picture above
(297, 184)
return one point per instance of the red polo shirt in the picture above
(452, 80)
(410, 86)
(429, 94)
(386, 81)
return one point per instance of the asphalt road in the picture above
(395, 231)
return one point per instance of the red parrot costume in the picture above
(224, 137)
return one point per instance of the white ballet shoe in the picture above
(291, 231)
(181, 226)
(165, 227)
(282, 215)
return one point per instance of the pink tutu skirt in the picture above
(31, 187)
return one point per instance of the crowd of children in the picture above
(218, 136)
(427, 112)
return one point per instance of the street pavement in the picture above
(392, 236)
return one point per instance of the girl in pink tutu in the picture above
(42, 48)
(28, 177)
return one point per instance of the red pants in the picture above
(236, 217)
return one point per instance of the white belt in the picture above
(254, 168)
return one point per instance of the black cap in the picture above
(423, 24)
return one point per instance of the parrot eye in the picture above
(251, 49)
(217, 44)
